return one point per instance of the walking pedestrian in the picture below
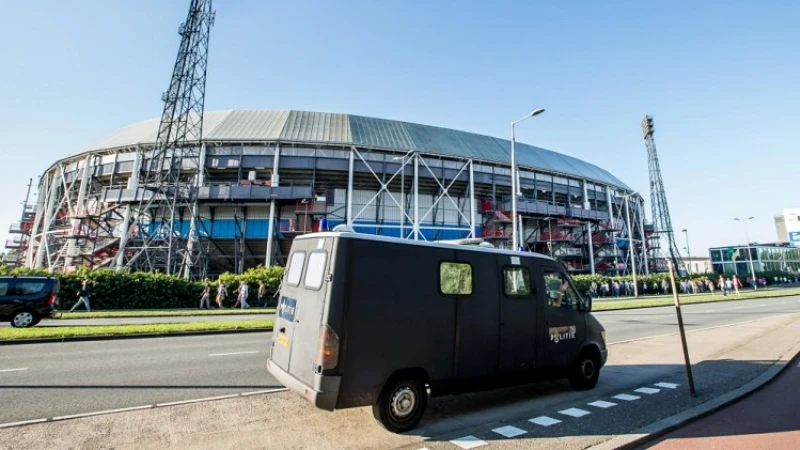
(736, 284)
(243, 290)
(721, 284)
(262, 294)
(84, 294)
(222, 292)
(204, 299)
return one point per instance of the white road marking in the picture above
(602, 404)
(763, 304)
(184, 402)
(100, 413)
(647, 390)
(509, 431)
(25, 422)
(711, 310)
(782, 303)
(267, 391)
(574, 412)
(739, 307)
(627, 397)
(667, 385)
(234, 353)
(468, 442)
(544, 421)
(14, 370)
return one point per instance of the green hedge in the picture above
(146, 290)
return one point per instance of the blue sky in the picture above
(720, 79)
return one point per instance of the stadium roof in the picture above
(316, 128)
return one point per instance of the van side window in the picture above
(4, 285)
(30, 287)
(455, 278)
(315, 270)
(516, 281)
(560, 293)
(295, 268)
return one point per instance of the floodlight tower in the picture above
(662, 222)
(166, 194)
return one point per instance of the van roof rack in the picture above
(468, 241)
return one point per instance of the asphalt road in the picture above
(51, 380)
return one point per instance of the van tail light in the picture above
(328, 355)
(51, 299)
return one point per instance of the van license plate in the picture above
(283, 340)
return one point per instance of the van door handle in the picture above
(282, 330)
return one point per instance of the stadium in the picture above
(268, 176)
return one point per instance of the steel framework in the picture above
(153, 235)
(658, 202)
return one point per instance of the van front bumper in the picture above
(323, 394)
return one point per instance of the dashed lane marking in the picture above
(468, 442)
(234, 353)
(100, 413)
(602, 404)
(14, 370)
(574, 412)
(627, 397)
(509, 431)
(544, 421)
(667, 385)
(647, 390)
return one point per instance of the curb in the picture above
(687, 304)
(658, 429)
(131, 336)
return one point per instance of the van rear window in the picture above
(30, 287)
(315, 270)
(295, 268)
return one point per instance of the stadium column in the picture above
(133, 185)
(274, 182)
(44, 188)
(78, 209)
(350, 187)
(416, 196)
(612, 221)
(587, 206)
(644, 238)
(192, 240)
(471, 200)
(48, 217)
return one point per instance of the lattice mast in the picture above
(168, 180)
(658, 199)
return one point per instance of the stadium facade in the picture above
(270, 175)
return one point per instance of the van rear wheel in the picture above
(585, 372)
(401, 405)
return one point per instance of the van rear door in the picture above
(301, 308)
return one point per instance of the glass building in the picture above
(766, 258)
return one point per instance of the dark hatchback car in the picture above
(24, 301)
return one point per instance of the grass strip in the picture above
(687, 300)
(163, 313)
(44, 332)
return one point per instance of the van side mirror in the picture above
(586, 304)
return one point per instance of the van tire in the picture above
(586, 371)
(401, 405)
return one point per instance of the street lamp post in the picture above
(688, 252)
(514, 187)
(749, 252)
(630, 242)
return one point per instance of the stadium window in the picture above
(516, 281)
(455, 278)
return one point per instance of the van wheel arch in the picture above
(403, 400)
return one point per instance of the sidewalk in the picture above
(765, 420)
(723, 358)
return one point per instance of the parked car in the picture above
(373, 320)
(24, 301)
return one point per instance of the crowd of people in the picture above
(242, 292)
(725, 285)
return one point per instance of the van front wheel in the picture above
(585, 372)
(401, 405)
